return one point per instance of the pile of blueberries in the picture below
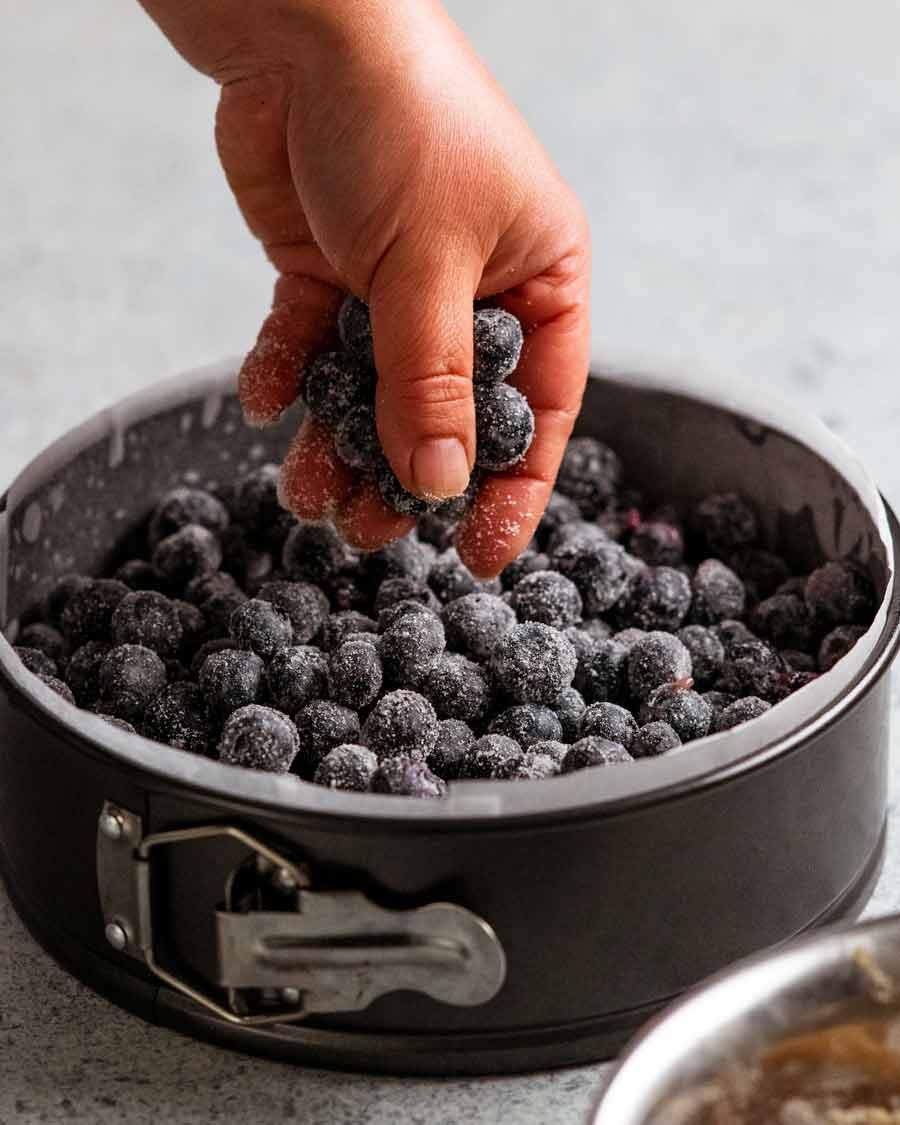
(245, 636)
(339, 390)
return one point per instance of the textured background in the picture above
(741, 167)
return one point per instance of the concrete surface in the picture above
(740, 165)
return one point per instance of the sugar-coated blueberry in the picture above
(536, 767)
(401, 722)
(628, 638)
(47, 640)
(218, 644)
(609, 721)
(392, 591)
(601, 675)
(355, 674)
(348, 767)
(150, 619)
(457, 687)
(305, 604)
(230, 680)
(404, 558)
(658, 599)
(837, 644)
(295, 676)
(89, 611)
(659, 658)
(356, 439)
(138, 574)
(83, 671)
(450, 578)
(205, 586)
(355, 330)
(119, 724)
(409, 648)
(61, 688)
(454, 739)
(315, 552)
(339, 627)
(504, 426)
(492, 757)
(57, 597)
(718, 594)
(725, 522)
(37, 662)
(404, 776)
(560, 512)
(800, 661)
(569, 706)
(533, 663)
(741, 711)
(547, 597)
(751, 668)
(259, 738)
(258, 510)
(654, 739)
(594, 751)
(840, 593)
(437, 528)
(527, 563)
(178, 717)
(322, 725)
(475, 623)
(762, 571)
(717, 701)
(335, 382)
(686, 712)
(790, 681)
(261, 627)
(657, 543)
(188, 552)
(599, 568)
(527, 723)
(707, 654)
(498, 340)
(590, 474)
(130, 678)
(732, 633)
(785, 620)
(396, 496)
(184, 506)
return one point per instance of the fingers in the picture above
(314, 481)
(555, 312)
(421, 309)
(366, 522)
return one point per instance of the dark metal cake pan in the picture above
(513, 926)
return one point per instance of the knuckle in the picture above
(434, 388)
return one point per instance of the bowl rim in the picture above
(709, 761)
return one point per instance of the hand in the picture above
(370, 152)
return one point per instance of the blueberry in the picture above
(339, 627)
(732, 633)
(393, 591)
(504, 426)
(762, 571)
(403, 776)
(707, 653)
(598, 630)
(784, 620)
(295, 677)
(347, 767)
(549, 598)
(355, 674)
(577, 535)
(62, 689)
(355, 330)
(120, 724)
(751, 668)
(686, 712)
(396, 496)
(474, 624)
(138, 574)
(800, 661)
(349, 590)
(659, 658)
(230, 680)
(321, 726)
(790, 681)
(392, 613)
(130, 678)
(527, 723)
(659, 599)
(258, 510)
(194, 627)
(569, 706)
(305, 604)
(437, 529)
(599, 568)
(717, 701)
(582, 642)
(184, 506)
(261, 627)
(594, 751)
(47, 640)
(725, 522)
(527, 563)
(794, 585)
(654, 739)
(609, 721)
(590, 474)
(560, 511)
(219, 644)
(628, 638)
(457, 688)
(83, 671)
(492, 758)
(657, 543)
(89, 611)
(719, 594)
(404, 558)
(555, 751)
(840, 593)
(37, 662)
(58, 596)
(334, 384)
(149, 619)
(498, 340)
(315, 552)
(741, 711)
(450, 578)
(409, 648)
(401, 722)
(837, 644)
(218, 609)
(454, 739)
(356, 439)
(178, 717)
(259, 738)
(601, 675)
(533, 663)
(205, 586)
(191, 551)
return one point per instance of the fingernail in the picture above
(440, 468)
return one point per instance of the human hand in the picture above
(370, 152)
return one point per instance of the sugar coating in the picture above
(47, 640)
(602, 673)
(259, 738)
(335, 383)
(726, 522)
(454, 739)
(707, 654)
(609, 721)
(392, 591)
(785, 620)
(659, 658)
(594, 751)
(718, 593)
(355, 674)
(130, 678)
(355, 330)
(839, 593)
(314, 552)
(178, 717)
(527, 563)
(348, 767)
(261, 627)
(410, 647)
(498, 340)
(356, 438)
(569, 706)
(230, 680)
(89, 610)
(536, 767)
(396, 496)
(590, 475)
(753, 668)
(83, 671)
(191, 551)
(150, 619)
(527, 723)
(339, 627)
(322, 725)
(533, 663)
(654, 739)
(295, 676)
(401, 722)
(504, 426)
(493, 757)
(59, 594)
(61, 688)
(598, 567)
(547, 597)
(37, 662)
(450, 578)
(305, 605)
(686, 712)
(405, 776)
(475, 623)
(183, 506)
(658, 599)
(457, 688)
(404, 558)
(741, 711)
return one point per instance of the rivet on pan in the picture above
(116, 936)
(112, 825)
(284, 880)
(290, 997)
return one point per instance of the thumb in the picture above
(421, 310)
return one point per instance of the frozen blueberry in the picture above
(528, 723)
(315, 552)
(408, 606)
(536, 767)
(549, 598)
(686, 712)
(492, 758)
(527, 563)
(403, 776)
(401, 722)
(569, 706)
(628, 638)
(475, 623)
(504, 426)
(751, 668)
(194, 628)
(295, 677)
(719, 594)
(205, 586)
(450, 578)
(599, 568)
(410, 647)
(355, 674)
(837, 644)
(250, 565)
(259, 738)
(334, 384)
(657, 543)
(138, 574)
(840, 593)
(457, 688)
(609, 721)
(396, 496)
(83, 671)
(659, 599)
(321, 726)
(533, 663)
(191, 551)
(58, 596)
(602, 674)
(594, 751)
(356, 439)
(305, 604)
(89, 611)
(790, 681)
(339, 627)
(178, 717)
(149, 619)
(62, 689)
(437, 529)
(800, 661)
(392, 591)
(732, 633)
(762, 572)
(559, 512)
(598, 630)
(219, 644)
(47, 640)
(257, 508)
(347, 767)
(707, 653)
(348, 590)
(556, 751)
(659, 658)
(654, 739)
(590, 474)
(583, 643)
(355, 330)
(579, 534)
(130, 679)
(717, 701)
(794, 585)
(36, 661)
(230, 680)
(454, 739)
(261, 627)
(404, 558)
(741, 711)
(120, 724)
(725, 522)
(184, 506)
(498, 344)
(784, 620)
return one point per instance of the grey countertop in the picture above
(740, 166)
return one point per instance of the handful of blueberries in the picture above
(243, 635)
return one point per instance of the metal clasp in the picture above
(286, 950)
